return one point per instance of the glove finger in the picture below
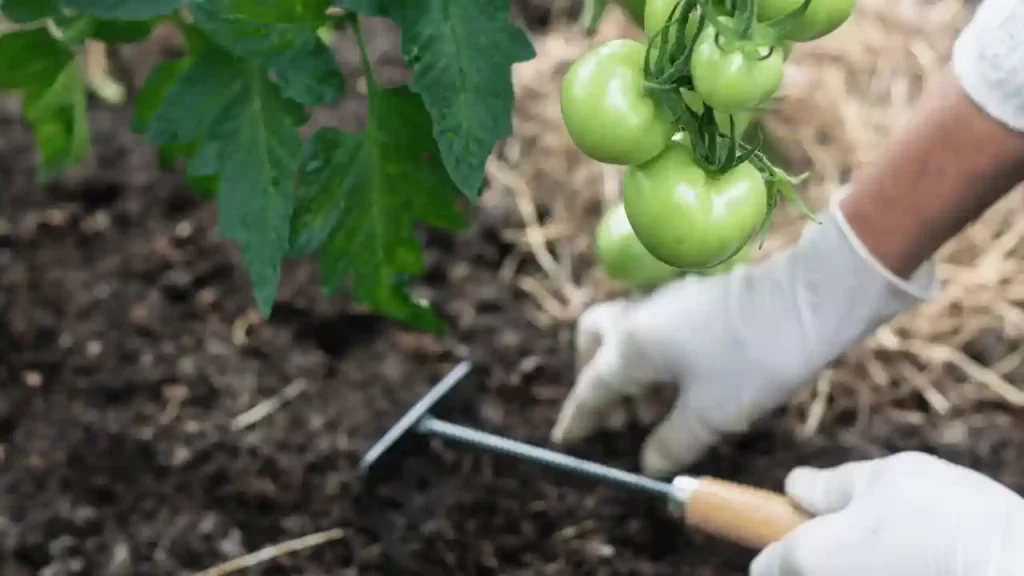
(809, 550)
(678, 441)
(591, 327)
(616, 417)
(652, 407)
(769, 561)
(587, 407)
(827, 490)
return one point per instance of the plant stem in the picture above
(364, 58)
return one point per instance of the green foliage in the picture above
(230, 110)
(53, 97)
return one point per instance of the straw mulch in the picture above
(843, 97)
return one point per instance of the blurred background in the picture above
(151, 423)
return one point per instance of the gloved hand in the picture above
(910, 514)
(737, 344)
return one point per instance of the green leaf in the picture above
(154, 90)
(60, 123)
(53, 96)
(122, 9)
(461, 53)
(31, 58)
(248, 136)
(150, 98)
(281, 36)
(364, 7)
(359, 196)
(121, 32)
(25, 11)
(201, 177)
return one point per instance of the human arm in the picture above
(740, 344)
(950, 163)
(962, 149)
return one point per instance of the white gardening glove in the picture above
(910, 514)
(737, 344)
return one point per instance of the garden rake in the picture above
(745, 515)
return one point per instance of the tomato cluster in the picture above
(673, 110)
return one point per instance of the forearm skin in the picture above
(961, 151)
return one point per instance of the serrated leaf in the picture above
(461, 53)
(200, 177)
(247, 133)
(360, 195)
(53, 96)
(123, 9)
(150, 99)
(203, 182)
(280, 35)
(26, 11)
(154, 90)
(190, 105)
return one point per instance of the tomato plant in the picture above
(688, 218)
(604, 107)
(228, 113)
(623, 258)
(821, 18)
(734, 77)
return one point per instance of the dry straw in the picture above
(843, 97)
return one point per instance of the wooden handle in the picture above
(749, 516)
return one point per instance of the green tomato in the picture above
(605, 110)
(742, 257)
(821, 18)
(687, 218)
(734, 80)
(740, 119)
(623, 258)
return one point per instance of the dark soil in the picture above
(127, 347)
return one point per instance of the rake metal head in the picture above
(448, 396)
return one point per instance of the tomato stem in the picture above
(593, 10)
(673, 48)
(364, 59)
(745, 15)
(781, 25)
